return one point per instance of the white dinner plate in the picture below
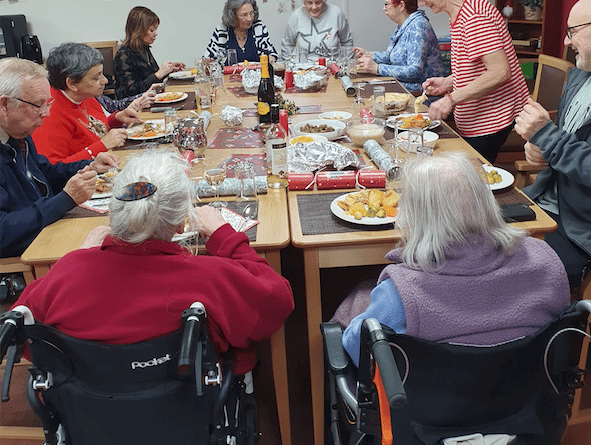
(390, 122)
(182, 75)
(339, 128)
(340, 213)
(336, 115)
(135, 128)
(102, 195)
(506, 177)
(161, 96)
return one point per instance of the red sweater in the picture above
(65, 134)
(126, 293)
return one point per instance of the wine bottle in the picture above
(276, 151)
(266, 94)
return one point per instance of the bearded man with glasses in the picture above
(563, 189)
(33, 192)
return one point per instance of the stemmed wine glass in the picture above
(358, 102)
(222, 56)
(215, 174)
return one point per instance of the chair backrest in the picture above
(550, 80)
(453, 390)
(108, 49)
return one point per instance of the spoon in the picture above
(248, 213)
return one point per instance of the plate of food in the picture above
(371, 207)
(417, 120)
(330, 129)
(497, 178)
(182, 75)
(104, 185)
(152, 129)
(336, 115)
(168, 98)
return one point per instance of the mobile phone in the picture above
(517, 212)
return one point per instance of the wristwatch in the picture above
(453, 103)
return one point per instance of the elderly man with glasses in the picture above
(563, 189)
(33, 192)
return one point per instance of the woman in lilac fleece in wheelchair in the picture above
(460, 274)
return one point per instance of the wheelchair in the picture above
(173, 389)
(523, 388)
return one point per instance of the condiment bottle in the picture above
(266, 93)
(276, 151)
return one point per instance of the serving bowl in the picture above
(391, 103)
(307, 138)
(361, 130)
(338, 128)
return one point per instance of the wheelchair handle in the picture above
(10, 322)
(383, 356)
(192, 319)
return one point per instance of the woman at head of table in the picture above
(413, 53)
(461, 274)
(317, 27)
(486, 89)
(241, 30)
(134, 65)
(136, 282)
(78, 127)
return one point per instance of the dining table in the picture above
(300, 217)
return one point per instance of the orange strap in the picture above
(384, 409)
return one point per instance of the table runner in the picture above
(80, 212)
(317, 219)
(236, 137)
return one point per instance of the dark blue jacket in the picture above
(31, 195)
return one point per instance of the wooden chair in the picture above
(550, 81)
(108, 49)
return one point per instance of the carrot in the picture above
(391, 211)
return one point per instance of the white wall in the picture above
(186, 25)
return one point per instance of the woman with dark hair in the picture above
(241, 30)
(134, 65)
(413, 53)
(78, 127)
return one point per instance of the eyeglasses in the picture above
(246, 15)
(40, 108)
(569, 32)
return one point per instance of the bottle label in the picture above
(263, 108)
(279, 158)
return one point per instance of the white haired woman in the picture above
(461, 274)
(78, 126)
(137, 282)
(241, 30)
(318, 27)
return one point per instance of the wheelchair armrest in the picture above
(336, 356)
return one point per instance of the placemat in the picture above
(317, 219)
(391, 86)
(187, 104)
(172, 81)
(239, 91)
(81, 212)
(236, 137)
(305, 109)
(130, 144)
(258, 161)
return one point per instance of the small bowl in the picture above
(336, 115)
(429, 138)
(307, 138)
(360, 130)
(339, 128)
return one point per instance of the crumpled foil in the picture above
(232, 116)
(252, 78)
(308, 157)
(227, 188)
(308, 80)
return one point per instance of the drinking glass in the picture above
(232, 57)
(302, 56)
(222, 56)
(215, 174)
(358, 102)
(393, 174)
(245, 175)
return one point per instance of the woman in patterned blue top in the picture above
(413, 53)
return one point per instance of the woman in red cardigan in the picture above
(78, 126)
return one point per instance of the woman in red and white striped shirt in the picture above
(486, 90)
